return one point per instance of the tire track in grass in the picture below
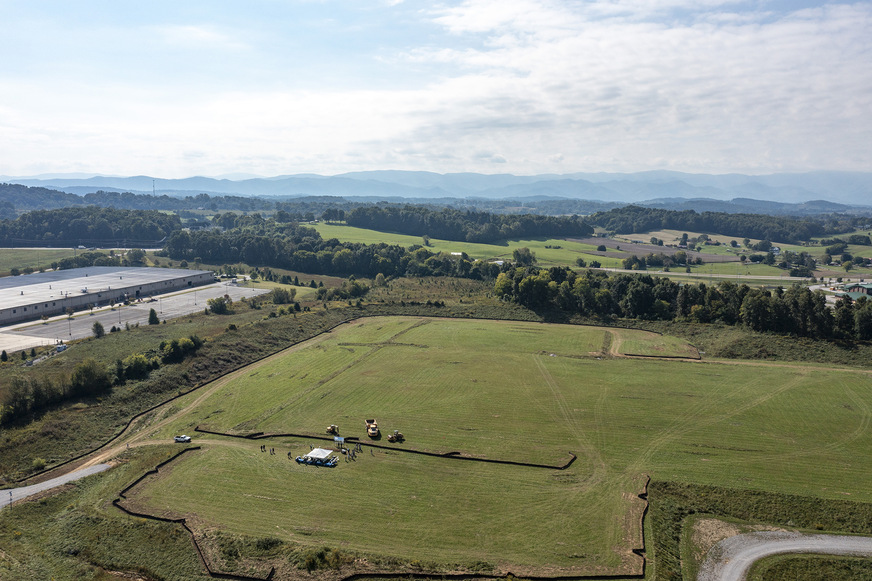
(373, 349)
(701, 416)
(862, 428)
(567, 417)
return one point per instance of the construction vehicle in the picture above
(333, 429)
(396, 437)
(371, 428)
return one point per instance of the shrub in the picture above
(89, 378)
(281, 296)
(220, 305)
(136, 366)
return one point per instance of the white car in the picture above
(182, 439)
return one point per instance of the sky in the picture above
(277, 87)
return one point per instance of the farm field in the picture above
(520, 392)
(34, 258)
(565, 255)
(547, 257)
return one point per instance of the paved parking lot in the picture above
(61, 329)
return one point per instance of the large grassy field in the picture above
(556, 252)
(512, 391)
(34, 258)
(560, 253)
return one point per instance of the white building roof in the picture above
(55, 285)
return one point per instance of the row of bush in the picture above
(28, 395)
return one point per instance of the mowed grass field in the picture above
(565, 255)
(522, 392)
(34, 258)
(549, 251)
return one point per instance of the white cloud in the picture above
(705, 85)
(197, 37)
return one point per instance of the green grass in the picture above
(566, 255)
(493, 389)
(34, 258)
(75, 535)
(395, 505)
(792, 567)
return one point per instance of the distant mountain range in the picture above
(805, 193)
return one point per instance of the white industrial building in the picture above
(32, 296)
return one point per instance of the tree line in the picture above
(88, 225)
(795, 311)
(466, 226)
(295, 247)
(630, 219)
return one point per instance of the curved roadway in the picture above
(732, 558)
(11, 495)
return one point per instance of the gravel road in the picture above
(15, 494)
(731, 559)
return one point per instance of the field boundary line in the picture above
(450, 455)
(122, 495)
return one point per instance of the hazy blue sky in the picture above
(272, 87)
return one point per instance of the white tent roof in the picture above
(319, 454)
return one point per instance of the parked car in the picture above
(182, 439)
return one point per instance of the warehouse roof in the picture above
(54, 285)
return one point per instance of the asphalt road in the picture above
(15, 494)
(732, 558)
(169, 306)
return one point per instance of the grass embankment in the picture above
(791, 568)
(80, 425)
(739, 343)
(77, 534)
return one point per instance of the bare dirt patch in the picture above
(710, 531)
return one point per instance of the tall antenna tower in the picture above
(152, 188)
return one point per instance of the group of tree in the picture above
(467, 226)
(34, 393)
(659, 260)
(295, 247)
(26, 395)
(795, 311)
(89, 226)
(630, 219)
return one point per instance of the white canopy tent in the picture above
(319, 454)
